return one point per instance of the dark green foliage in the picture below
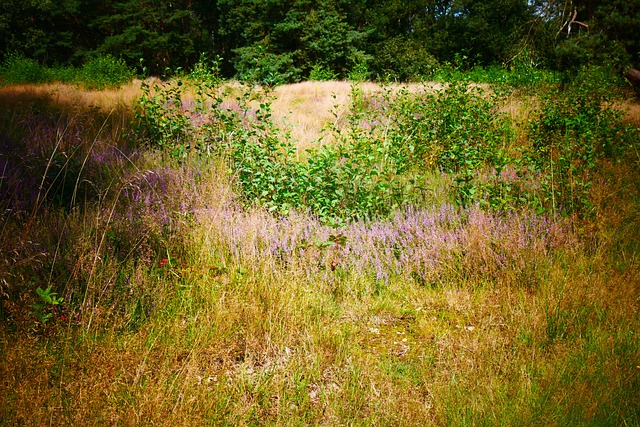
(255, 64)
(165, 34)
(19, 70)
(593, 50)
(105, 72)
(404, 59)
(276, 41)
(284, 43)
(98, 73)
(65, 75)
(569, 35)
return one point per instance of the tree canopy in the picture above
(284, 40)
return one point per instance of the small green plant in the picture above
(47, 300)
(160, 120)
(320, 73)
(206, 71)
(359, 72)
(262, 157)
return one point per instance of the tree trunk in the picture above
(633, 76)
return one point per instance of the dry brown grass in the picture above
(303, 108)
(632, 112)
(269, 349)
(308, 107)
(73, 96)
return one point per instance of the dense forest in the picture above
(281, 41)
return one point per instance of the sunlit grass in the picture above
(185, 307)
(308, 107)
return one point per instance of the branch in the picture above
(572, 21)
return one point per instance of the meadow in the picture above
(200, 252)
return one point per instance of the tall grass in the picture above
(184, 304)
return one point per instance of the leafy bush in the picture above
(161, 122)
(374, 167)
(206, 71)
(524, 72)
(255, 64)
(64, 74)
(521, 72)
(401, 59)
(377, 161)
(359, 72)
(389, 139)
(456, 130)
(347, 181)
(19, 70)
(105, 72)
(574, 131)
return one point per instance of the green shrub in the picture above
(401, 59)
(359, 72)
(390, 139)
(160, 119)
(105, 72)
(576, 128)
(206, 71)
(255, 64)
(64, 74)
(524, 73)
(20, 70)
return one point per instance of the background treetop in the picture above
(285, 40)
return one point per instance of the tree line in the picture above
(289, 40)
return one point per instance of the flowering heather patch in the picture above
(429, 246)
(154, 192)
